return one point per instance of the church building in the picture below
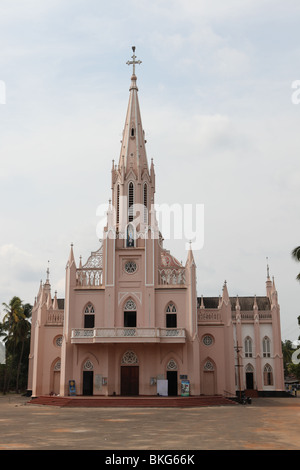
(132, 323)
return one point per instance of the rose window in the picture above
(130, 267)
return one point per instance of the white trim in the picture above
(146, 257)
(114, 250)
(137, 295)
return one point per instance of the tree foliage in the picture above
(296, 257)
(15, 332)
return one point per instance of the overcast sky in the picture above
(215, 91)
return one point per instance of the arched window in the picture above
(145, 203)
(130, 314)
(248, 347)
(89, 316)
(266, 347)
(130, 201)
(171, 316)
(171, 308)
(268, 375)
(130, 239)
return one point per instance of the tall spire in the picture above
(268, 281)
(133, 183)
(133, 151)
(71, 257)
(268, 270)
(48, 271)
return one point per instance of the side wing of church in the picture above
(131, 322)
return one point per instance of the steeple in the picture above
(133, 181)
(190, 257)
(225, 295)
(71, 259)
(133, 151)
(268, 281)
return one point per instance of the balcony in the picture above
(125, 335)
(89, 278)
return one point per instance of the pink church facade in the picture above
(131, 322)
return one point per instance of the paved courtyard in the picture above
(266, 424)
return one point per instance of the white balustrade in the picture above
(89, 277)
(81, 333)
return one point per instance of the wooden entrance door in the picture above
(209, 383)
(129, 380)
(56, 382)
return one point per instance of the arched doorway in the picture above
(56, 378)
(129, 374)
(172, 378)
(249, 370)
(209, 378)
(88, 378)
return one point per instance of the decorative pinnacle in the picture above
(48, 271)
(133, 61)
(268, 271)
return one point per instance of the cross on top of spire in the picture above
(133, 61)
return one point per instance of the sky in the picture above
(221, 119)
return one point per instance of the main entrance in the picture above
(129, 380)
(88, 380)
(249, 380)
(172, 383)
(249, 377)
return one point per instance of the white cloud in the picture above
(18, 263)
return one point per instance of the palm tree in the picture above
(296, 256)
(23, 328)
(17, 328)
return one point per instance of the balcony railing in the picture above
(249, 315)
(171, 276)
(89, 277)
(102, 334)
(209, 316)
(55, 318)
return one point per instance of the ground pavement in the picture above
(266, 424)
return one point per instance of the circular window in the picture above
(130, 267)
(207, 340)
(58, 341)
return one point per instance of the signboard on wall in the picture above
(98, 383)
(72, 388)
(185, 388)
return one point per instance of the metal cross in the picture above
(133, 61)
